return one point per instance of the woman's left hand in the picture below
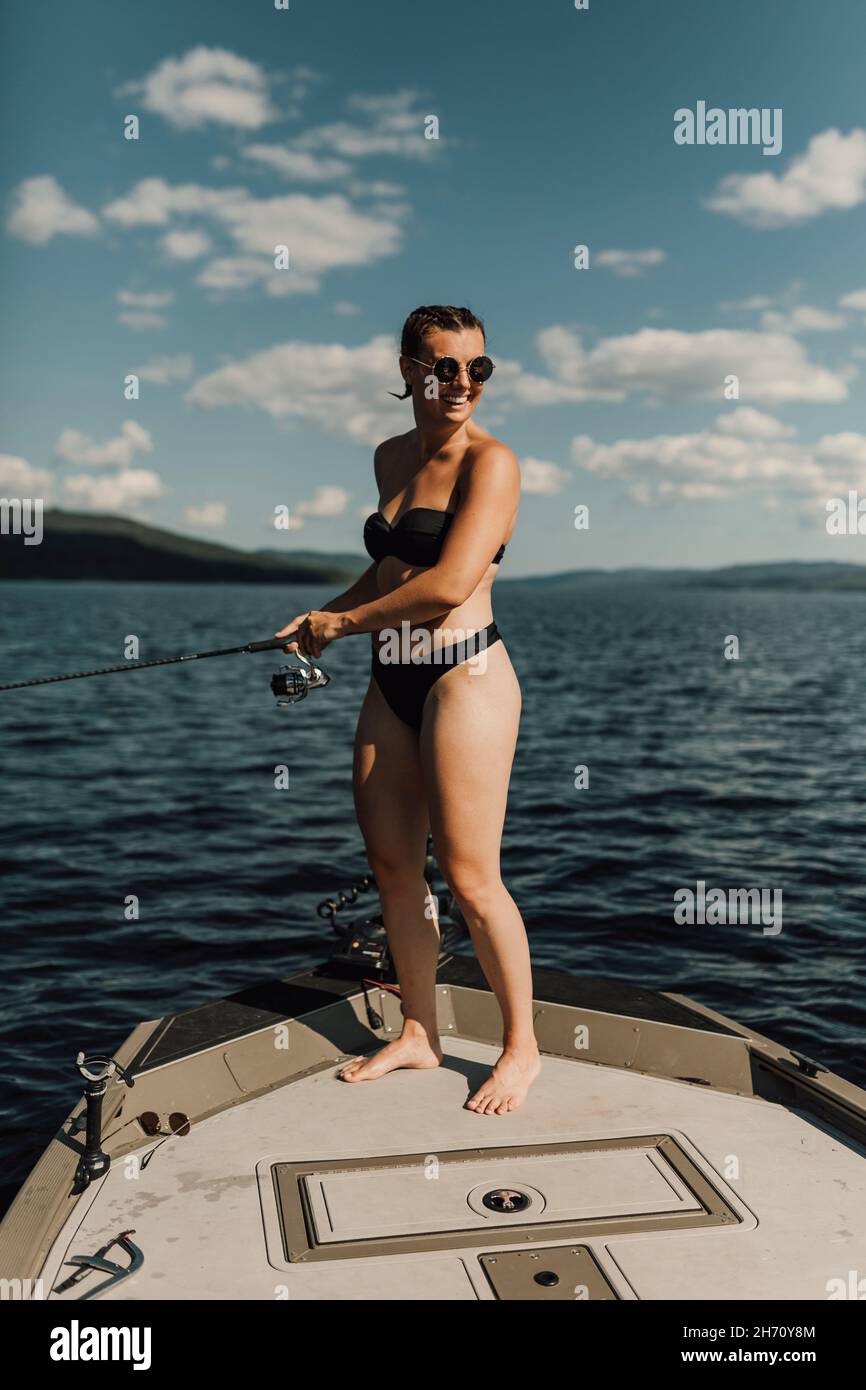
(311, 633)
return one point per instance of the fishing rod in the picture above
(290, 684)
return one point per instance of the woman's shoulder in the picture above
(387, 452)
(394, 443)
(488, 457)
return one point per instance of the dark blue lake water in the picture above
(161, 784)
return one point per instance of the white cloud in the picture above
(163, 370)
(337, 389)
(207, 86)
(757, 301)
(41, 210)
(538, 476)
(142, 315)
(386, 125)
(374, 188)
(848, 448)
(389, 125)
(629, 263)
(713, 464)
(185, 245)
(303, 78)
(855, 300)
(151, 202)
(782, 313)
(322, 233)
(803, 318)
(141, 319)
(831, 175)
(297, 164)
(233, 273)
(643, 492)
(210, 516)
(329, 500)
(346, 307)
(240, 272)
(123, 493)
(18, 478)
(677, 465)
(75, 447)
(753, 424)
(149, 299)
(667, 364)
(343, 390)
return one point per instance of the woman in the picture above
(435, 738)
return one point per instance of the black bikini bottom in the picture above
(406, 685)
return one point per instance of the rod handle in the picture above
(270, 646)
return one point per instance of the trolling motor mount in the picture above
(291, 683)
(363, 949)
(97, 1072)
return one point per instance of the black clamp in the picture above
(97, 1072)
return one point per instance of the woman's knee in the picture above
(393, 868)
(395, 837)
(476, 891)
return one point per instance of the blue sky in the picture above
(264, 387)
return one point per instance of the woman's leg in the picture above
(467, 747)
(392, 814)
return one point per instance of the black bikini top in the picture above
(417, 538)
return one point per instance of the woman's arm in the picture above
(364, 590)
(491, 496)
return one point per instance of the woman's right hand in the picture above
(290, 628)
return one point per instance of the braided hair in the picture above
(420, 322)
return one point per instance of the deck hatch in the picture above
(556, 1273)
(344, 1208)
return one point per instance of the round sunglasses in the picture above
(447, 369)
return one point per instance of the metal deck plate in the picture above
(557, 1272)
(418, 1202)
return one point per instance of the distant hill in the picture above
(344, 559)
(783, 574)
(87, 545)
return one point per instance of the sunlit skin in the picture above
(454, 776)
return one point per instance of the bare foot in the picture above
(507, 1084)
(413, 1050)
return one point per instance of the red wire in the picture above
(395, 989)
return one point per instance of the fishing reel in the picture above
(291, 683)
